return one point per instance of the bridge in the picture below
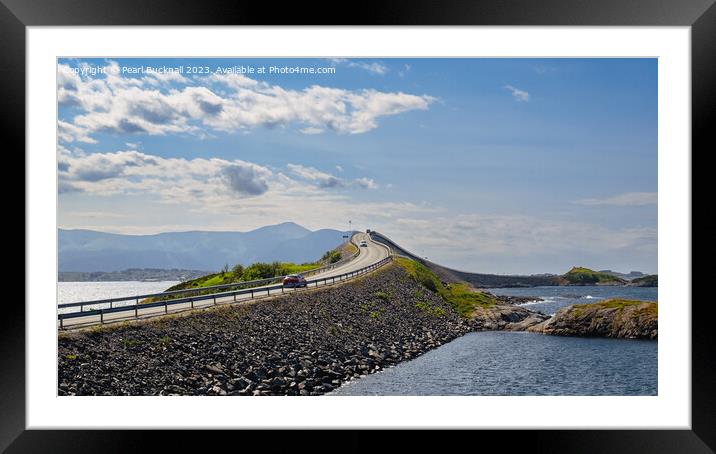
(476, 279)
(379, 250)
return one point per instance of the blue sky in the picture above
(492, 165)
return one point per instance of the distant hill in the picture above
(90, 251)
(652, 280)
(628, 276)
(584, 276)
(132, 274)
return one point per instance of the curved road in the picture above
(374, 253)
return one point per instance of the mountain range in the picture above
(89, 250)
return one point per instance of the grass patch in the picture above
(97, 329)
(375, 315)
(460, 296)
(130, 342)
(465, 300)
(333, 330)
(382, 295)
(618, 303)
(70, 357)
(331, 256)
(430, 309)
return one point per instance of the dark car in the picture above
(294, 280)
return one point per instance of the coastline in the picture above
(302, 344)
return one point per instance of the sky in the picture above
(509, 166)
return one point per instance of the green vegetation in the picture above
(617, 303)
(421, 274)
(333, 330)
(130, 342)
(71, 357)
(382, 295)
(430, 309)
(463, 299)
(652, 280)
(350, 249)
(584, 276)
(371, 308)
(331, 256)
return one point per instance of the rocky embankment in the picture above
(301, 344)
(612, 318)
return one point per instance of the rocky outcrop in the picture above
(306, 343)
(612, 318)
(505, 317)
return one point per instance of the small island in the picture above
(584, 276)
(652, 280)
(618, 318)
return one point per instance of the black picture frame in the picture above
(700, 15)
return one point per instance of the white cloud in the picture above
(326, 180)
(245, 179)
(371, 67)
(322, 179)
(406, 69)
(124, 105)
(171, 180)
(211, 193)
(519, 95)
(67, 132)
(626, 199)
(312, 131)
(365, 183)
(168, 77)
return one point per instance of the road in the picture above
(369, 255)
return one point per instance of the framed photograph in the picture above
(417, 217)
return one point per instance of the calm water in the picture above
(556, 298)
(500, 363)
(507, 363)
(72, 292)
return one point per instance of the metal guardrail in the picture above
(254, 292)
(188, 291)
